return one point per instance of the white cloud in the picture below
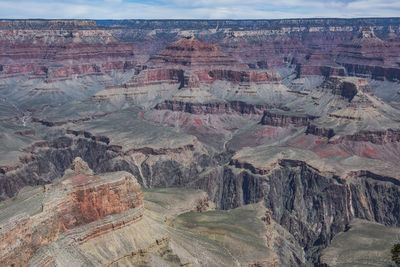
(207, 9)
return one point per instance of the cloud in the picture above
(196, 9)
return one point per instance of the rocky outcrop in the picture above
(56, 50)
(213, 108)
(80, 166)
(346, 87)
(59, 123)
(320, 131)
(188, 64)
(284, 120)
(364, 56)
(207, 63)
(375, 137)
(47, 160)
(319, 63)
(75, 201)
(369, 56)
(191, 53)
(60, 61)
(312, 205)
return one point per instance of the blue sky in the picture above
(197, 9)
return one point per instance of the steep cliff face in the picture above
(150, 165)
(311, 204)
(375, 137)
(55, 62)
(365, 55)
(347, 88)
(284, 120)
(75, 201)
(344, 108)
(66, 58)
(213, 108)
(369, 56)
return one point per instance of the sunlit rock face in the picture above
(78, 201)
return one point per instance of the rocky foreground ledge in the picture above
(81, 205)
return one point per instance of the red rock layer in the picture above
(365, 56)
(212, 75)
(64, 56)
(73, 202)
(319, 63)
(191, 53)
(370, 56)
(263, 54)
(189, 62)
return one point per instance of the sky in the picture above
(196, 9)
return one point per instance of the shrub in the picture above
(396, 253)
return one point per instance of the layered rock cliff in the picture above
(199, 67)
(309, 199)
(76, 201)
(364, 56)
(283, 120)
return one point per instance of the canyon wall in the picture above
(76, 201)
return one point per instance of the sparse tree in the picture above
(396, 254)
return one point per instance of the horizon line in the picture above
(198, 19)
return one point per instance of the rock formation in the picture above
(364, 56)
(192, 71)
(76, 201)
(256, 143)
(283, 120)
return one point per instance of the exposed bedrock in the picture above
(369, 56)
(346, 87)
(311, 205)
(188, 63)
(283, 120)
(237, 76)
(76, 201)
(320, 131)
(64, 60)
(363, 56)
(375, 137)
(213, 108)
(152, 167)
(319, 62)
